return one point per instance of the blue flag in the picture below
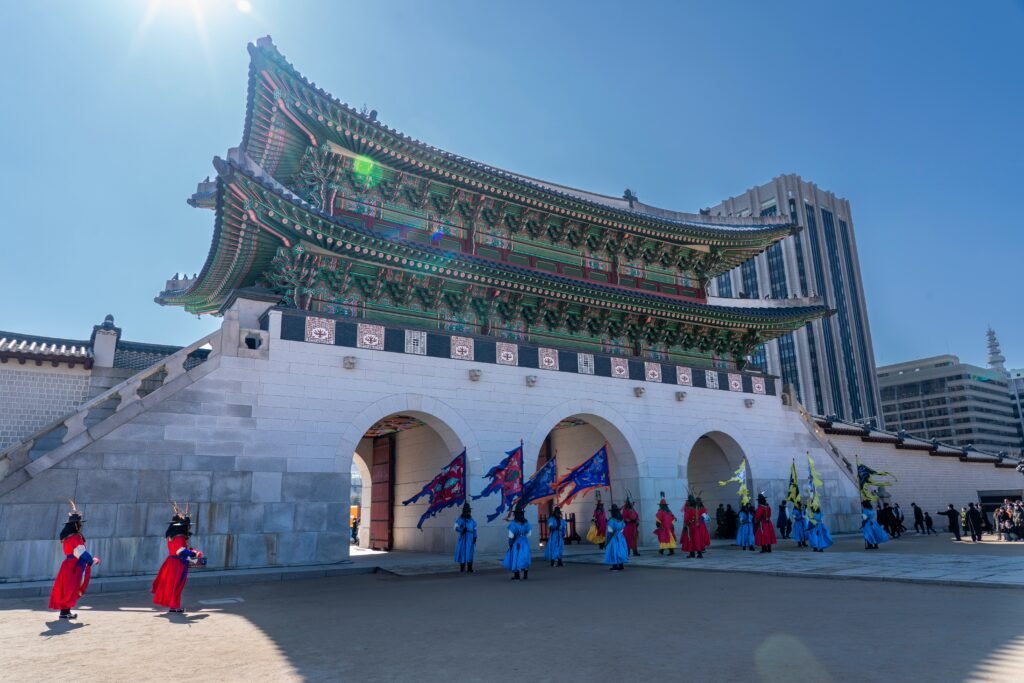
(448, 488)
(592, 473)
(506, 477)
(542, 484)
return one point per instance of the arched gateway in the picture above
(715, 457)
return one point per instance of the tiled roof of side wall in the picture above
(725, 228)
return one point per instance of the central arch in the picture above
(714, 457)
(573, 432)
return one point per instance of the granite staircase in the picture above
(106, 411)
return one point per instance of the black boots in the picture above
(692, 554)
(515, 576)
(661, 551)
(67, 614)
(671, 551)
(469, 567)
(462, 567)
(700, 554)
(560, 563)
(552, 563)
(526, 574)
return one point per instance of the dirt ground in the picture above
(579, 622)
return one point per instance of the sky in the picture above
(113, 110)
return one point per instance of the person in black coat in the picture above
(918, 519)
(973, 523)
(953, 516)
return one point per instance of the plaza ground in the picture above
(580, 622)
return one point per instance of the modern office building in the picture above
(943, 399)
(829, 362)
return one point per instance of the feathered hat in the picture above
(181, 522)
(74, 523)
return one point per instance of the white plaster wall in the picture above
(931, 481)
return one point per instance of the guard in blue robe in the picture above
(745, 532)
(819, 536)
(616, 552)
(556, 538)
(465, 544)
(873, 532)
(517, 558)
(801, 528)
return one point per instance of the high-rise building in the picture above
(829, 362)
(956, 403)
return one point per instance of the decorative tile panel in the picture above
(652, 372)
(758, 383)
(416, 342)
(735, 382)
(684, 376)
(548, 359)
(319, 330)
(462, 348)
(711, 379)
(370, 337)
(507, 354)
(585, 363)
(620, 368)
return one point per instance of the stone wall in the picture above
(262, 446)
(34, 396)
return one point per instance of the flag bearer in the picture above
(556, 538)
(465, 527)
(665, 528)
(616, 552)
(632, 520)
(517, 558)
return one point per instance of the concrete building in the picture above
(944, 399)
(829, 362)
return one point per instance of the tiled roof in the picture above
(26, 345)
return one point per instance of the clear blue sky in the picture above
(910, 110)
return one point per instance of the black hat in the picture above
(615, 511)
(556, 511)
(520, 512)
(181, 523)
(691, 501)
(466, 509)
(74, 523)
(761, 500)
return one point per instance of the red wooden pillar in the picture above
(382, 492)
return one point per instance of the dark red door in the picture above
(382, 492)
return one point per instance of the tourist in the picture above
(871, 529)
(720, 521)
(556, 538)
(899, 518)
(664, 528)
(730, 521)
(953, 517)
(1018, 520)
(745, 527)
(819, 536)
(929, 525)
(694, 536)
(801, 527)
(517, 558)
(918, 519)
(170, 580)
(986, 525)
(465, 541)
(355, 530)
(598, 526)
(616, 552)
(783, 522)
(632, 530)
(764, 530)
(73, 575)
(973, 526)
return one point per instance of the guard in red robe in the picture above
(73, 576)
(665, 528)
(764, 530)
(170, 580)
(598, 526)
(632, 530)
(695, 531)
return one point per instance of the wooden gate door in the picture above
(382, 492)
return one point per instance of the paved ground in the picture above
(579, 623)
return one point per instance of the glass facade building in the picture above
(829, 363)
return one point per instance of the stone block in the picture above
(190, 486)
(106, 486)
(100, 519)
(255, 550)
(49, 486)
(157, 518)
(310, 516)
(141, 460)
(32, 521)
(131, 519)
(231, 487)
(245, 518)
(154, 486)
(266, 487)
(213, 463)
(29, 560)
(215, 549)
(214, 518)
(245, 463)
(279, 517)
(337, 516)
(312, 487)
(332, 547)
(82, 461)
(297, 548)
